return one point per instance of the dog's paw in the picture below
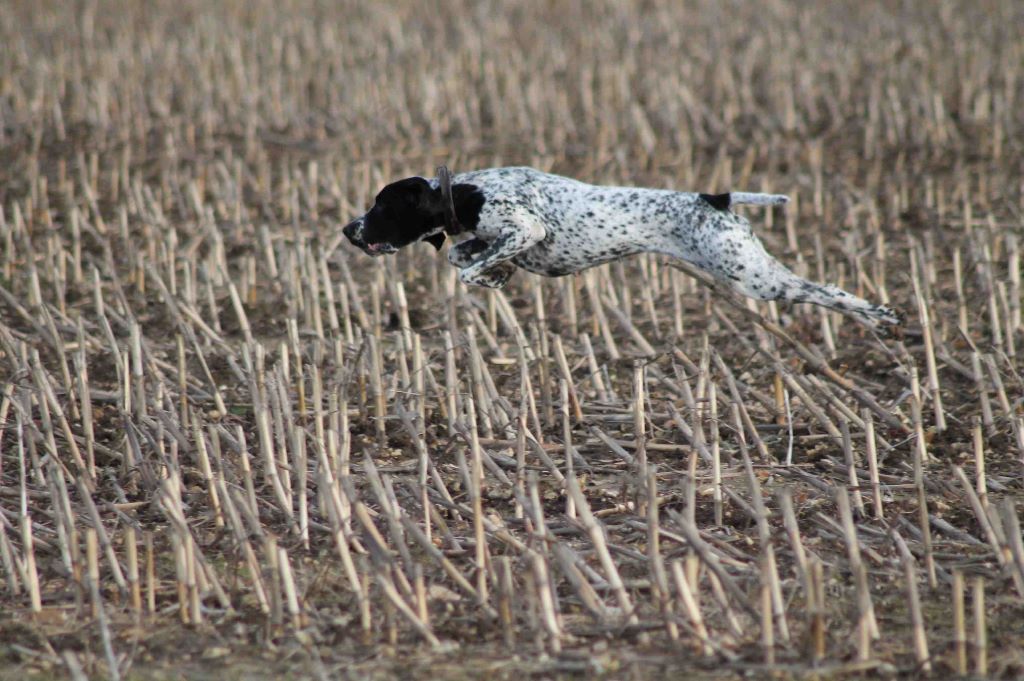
(465, 253)
(493, 277)
(885, 321)
(888, 316)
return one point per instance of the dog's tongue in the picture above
(374, 247)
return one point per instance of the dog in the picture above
(553, 226)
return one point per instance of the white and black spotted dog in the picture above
(553, 225)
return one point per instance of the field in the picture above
(233, 446)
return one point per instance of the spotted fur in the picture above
(554, 225)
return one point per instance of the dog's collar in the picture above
(451, 222)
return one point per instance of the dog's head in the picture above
(404, 212)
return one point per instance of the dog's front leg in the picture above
(491, 268)
(495, 277)
(465, 253)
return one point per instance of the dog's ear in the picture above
(436, 240)
(423, 196)
(432, 201)
(413, 192)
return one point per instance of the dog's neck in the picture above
(466, 204)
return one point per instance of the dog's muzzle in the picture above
(354, 232)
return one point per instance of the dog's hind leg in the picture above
(736, 256)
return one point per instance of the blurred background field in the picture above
(232, 446)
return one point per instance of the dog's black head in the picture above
(408, 211)
(404, 212)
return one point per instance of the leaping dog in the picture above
(554, 225)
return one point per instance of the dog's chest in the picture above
(584, 226)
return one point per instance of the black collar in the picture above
(451, 222)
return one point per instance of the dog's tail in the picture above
(723, 201)
(759, 199)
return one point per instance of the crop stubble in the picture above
(231, 445)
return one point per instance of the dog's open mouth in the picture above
(381, 248)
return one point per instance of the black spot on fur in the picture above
(436, 240)
(469, 201)
(718, 201)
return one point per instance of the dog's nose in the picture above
(352, 231)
